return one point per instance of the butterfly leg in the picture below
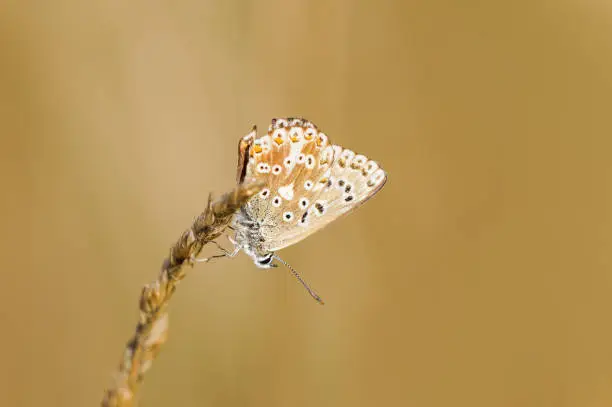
(207, 259)
(226, 253)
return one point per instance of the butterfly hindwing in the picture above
(308, 182)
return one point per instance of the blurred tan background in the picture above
(481, 275)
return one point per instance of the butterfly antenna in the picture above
(312, 293)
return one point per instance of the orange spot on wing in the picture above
(278, 140)
(294, 138)
(257, 149)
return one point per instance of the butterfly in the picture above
(308, 182)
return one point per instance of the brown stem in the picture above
(152, 328)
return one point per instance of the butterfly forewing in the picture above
(308, 182)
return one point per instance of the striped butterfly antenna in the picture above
(312, 293)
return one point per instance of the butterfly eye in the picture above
(276, 202)
(264, 262)
(307, 185)
(287, 216)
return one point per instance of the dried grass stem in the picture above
(152, 328)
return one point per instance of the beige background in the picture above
(481, 275)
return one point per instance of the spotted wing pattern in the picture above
(308, 182)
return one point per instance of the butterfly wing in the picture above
(308, 182)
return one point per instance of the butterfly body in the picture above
(308, 183)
